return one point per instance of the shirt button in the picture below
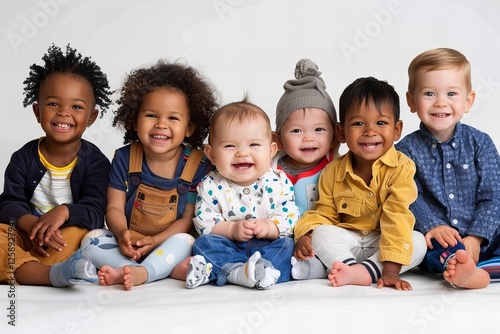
(406, 246)
(465, 166)
(344, 205)
(453, 144)
(433, 145)
(448, 166)
(372, 215)
(369, 194)
(365, 232)
(454, 221)
(451, 196)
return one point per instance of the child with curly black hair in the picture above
(165, 110)
(55, 186)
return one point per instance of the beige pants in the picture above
(16, 249)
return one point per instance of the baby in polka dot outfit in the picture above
(245, 210)
(458, 172)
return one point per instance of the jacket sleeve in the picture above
(324, 211)
(14, 201)
(89, 183)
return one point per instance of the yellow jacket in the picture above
(346, 201)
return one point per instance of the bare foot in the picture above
(127, 275)
(342, 274)
(110, 276)
(462, 272)
(180, 271)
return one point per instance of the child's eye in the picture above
(381, 123)
(173, 118)
(295, 131)
(254, 144)
(357, 124)
(319, 129)
(229, 146)
(428, 94)
(150, 115)
(452, 94)
(77, 107)
(52, 104)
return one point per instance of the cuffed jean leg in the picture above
(222, 253)
(278, 252)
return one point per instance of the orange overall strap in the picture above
(135, 163)
(191, 165)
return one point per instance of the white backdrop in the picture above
(247, 46)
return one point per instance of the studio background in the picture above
(247, 46)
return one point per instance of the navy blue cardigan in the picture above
(89, 180)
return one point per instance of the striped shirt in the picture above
(54, 188)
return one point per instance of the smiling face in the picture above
(163, 121)
(369, 132)
(306, 137)
(65, 107)
(241, 149)
(440, 99)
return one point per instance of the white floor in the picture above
(310, 306)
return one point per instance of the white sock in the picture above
(307, 269)
(268, 278)
(198, 272)
(245, 274)
(77, 269)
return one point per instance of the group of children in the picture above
(252, 206)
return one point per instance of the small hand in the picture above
(243, 230)
(303, 248)
(48, 224)
(395, 281)
(444, 235)
(144, 246)
(473, 246)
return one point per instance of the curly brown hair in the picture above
(70, 62)
(199, 93)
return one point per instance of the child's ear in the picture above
(92, 117)
(277, 139)
(470, 100)
(411, 102)
(209, 152)
(398, 130)
(274, 148)
(340, 133)
(335, 138)
(190, 129)
(36, 111)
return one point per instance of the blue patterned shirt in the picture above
(458, 181)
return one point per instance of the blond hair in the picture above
(436, 59)
(237, 113)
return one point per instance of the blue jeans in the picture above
(225, 255)
(435, 259)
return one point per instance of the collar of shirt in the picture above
(389, 158)
(453, 142)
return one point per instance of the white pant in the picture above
(332, 244)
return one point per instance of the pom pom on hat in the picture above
(306, 67)
(306, 91)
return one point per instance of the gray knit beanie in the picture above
(307, 91)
